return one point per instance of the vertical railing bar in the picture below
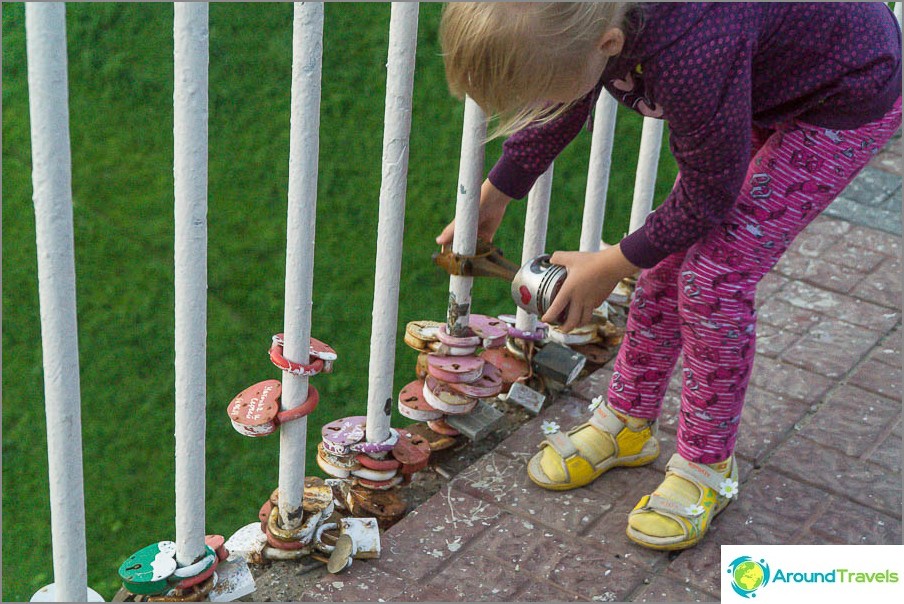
(304, 146)
(647, 165)
(535, 228)
(190, 33)
(391, 225)
(48, 92)
(598, 172)
(470, 177)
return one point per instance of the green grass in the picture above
(120, 95)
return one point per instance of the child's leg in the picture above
(799, 171)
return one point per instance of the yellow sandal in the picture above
(632, 447)
(716, 492)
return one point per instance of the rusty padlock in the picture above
(422, 335)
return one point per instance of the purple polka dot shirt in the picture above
(713, 71)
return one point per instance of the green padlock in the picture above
(146, 571)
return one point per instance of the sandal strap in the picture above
(698, 474)
(604, 419)
(562, 444)
(658, 503)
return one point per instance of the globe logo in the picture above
(748, 575)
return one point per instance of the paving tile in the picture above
(593, 385)
(524, 546)
(871, 187)
(474, 577)
(851, 420)
(883, 286)
(567, 411)
(772, 341)
(820, 235)
(873, 217)
(889, 349)
(888, 452)
(878, 377)
(766, 421)
(503, 482)
(839, 306)
(877, 241)
(664, 589)
(788, 380)
(430, 535)
(819, 271)
(787, 317)
(544, 591)
(863, 482)
(362, 582)
(845, 522)
(860, 259)
(831, 348)
(770, 284)
(599, 575)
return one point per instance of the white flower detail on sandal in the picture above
(595, 404)
(728, 488)
(695, 510)
(549, 427)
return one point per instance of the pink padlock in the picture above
(455, 370)
(412, 404)
(253, 411)
(441, 397)
(462, 342)
(491, 330)
(488, 385)
(339, 435)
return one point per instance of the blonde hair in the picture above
(509, 56)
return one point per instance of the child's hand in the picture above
(492, 209)
(591, 278)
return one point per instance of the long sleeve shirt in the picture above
(713, 71)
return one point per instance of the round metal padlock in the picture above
(146, 571)
(536, 284)
(339, 435)
(253, 411)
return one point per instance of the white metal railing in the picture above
(51, 159)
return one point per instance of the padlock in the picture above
(386, 506)
(248, 542)
(435, 440)
(365, 535)
(233, 581)
(325, 353)
(374, 475)
(622, 293)
(597, 354)
(420, 335)
(379, 485)
(512, 369)
(420, 369)
(525, 396)
(611, 334)
(337, 466)
(264, 514)
(315, 366)
(381, 447)
(413, 405)
(340, 488)
(492, 331)
(217, 544)
(558, 363)
(585, 334)
(441, 397)
(188, 575)
(341, 558)
(290, 538)
(537, 334)
(146, 571)
(381, 465)
(412, 452)
(441, 426)
(253, 411)
(455, 370)
(317, 498)
(465, 341)
(477, 424)
(488, 385)
(278, 554)
(340, 434)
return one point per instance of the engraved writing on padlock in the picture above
(491, 330)
(340, 434)
(441, 397)
(451, 369)
(536, 284)
(413, 405)
(488, 385)
(253, 411)
(146, 571)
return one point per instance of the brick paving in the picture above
(819, 447)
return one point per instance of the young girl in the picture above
(772, 109)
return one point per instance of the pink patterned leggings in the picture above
(700, 302)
